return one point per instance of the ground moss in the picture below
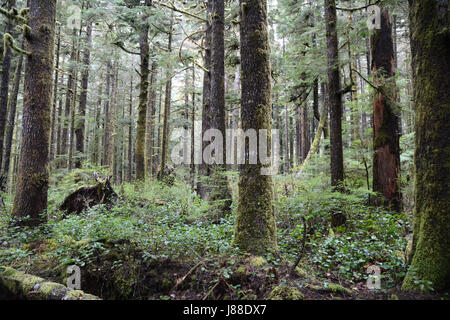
(285, 293)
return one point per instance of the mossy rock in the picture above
(285, 293)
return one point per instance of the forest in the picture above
(225, 150)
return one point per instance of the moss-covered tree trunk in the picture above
(142, 108)
(334, 96)
(130, 133)
(12, 106)
(54, 126)
(151, 120)
(69, 95)
(4, 85)
(167, 105)
(32, 184)
(80, 126)
(220, 195)
(255, 229)
(386, 145)
(430, 46)
(106, 122)
(96, 138)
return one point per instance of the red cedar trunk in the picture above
(32, 185)
(386, 160)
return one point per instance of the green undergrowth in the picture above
(155, 234)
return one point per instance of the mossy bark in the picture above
(54, 126)
(4, 85)
(69, 96)
(220, 195)
(430, 46)
(18, 285)
(255, 229)
(142, 109)
(386, 138)
(80, 125)
(167, 104)
(151, 120)
(12, 106)
(32, 185)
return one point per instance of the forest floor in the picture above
(158, 242)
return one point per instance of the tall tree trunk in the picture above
(203, 168)
(192, 171)
(12, 114)
(167, 103)
(32, 185)
(4, 86)
(130, 134)
(142, 109)
(255, 229)
(106, 159)
(220, 195)
(55, 97)
(96, 142)
(80, 128)
(60, 119)
(430, 46)
(386, 158)
(334, 96)
(69, 95)
(151, 120)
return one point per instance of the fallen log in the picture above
(17, 285)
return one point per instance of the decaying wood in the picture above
(87, 197)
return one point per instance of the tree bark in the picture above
(386, 158)
(142, 108)
(167, 105)
(255, 229)
(220, 196)
(430, 46)
(203, 168)
(334, 96)
(80, 128)
(4, 86)
(32, 185)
